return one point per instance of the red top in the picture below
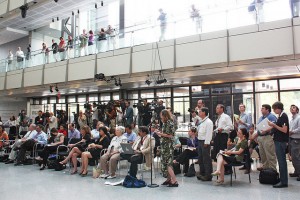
(63, 132)
(4, 136)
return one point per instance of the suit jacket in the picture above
(129, 115)
(145, 148)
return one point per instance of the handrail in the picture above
(76, 45)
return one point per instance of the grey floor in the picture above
(29, 183)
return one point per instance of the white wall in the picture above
(9, 108)
(23, 43)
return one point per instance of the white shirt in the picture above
(115, 143)
(95, 113)
(20, 53)
(224, 122)
(11, 123)
(196, 120)
(29, 133)
(53, 122)
(95, 134)
(205, 130)
(10, 56)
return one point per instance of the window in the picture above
(242, 87)
(93, 98)
(71, 99)
(181, 91)
(289, 98)
(52, 99)
(264, 98)
(220, 89)
(270, 85)
(146, 94)
(133, 95)
(105, 97)
(161, 93)
(82, 98)
(116, 96)
(289, 84)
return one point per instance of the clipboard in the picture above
(263, 125)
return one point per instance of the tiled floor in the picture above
(29, 183)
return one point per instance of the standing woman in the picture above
(78, 148)
(12, 123)
(167, 148)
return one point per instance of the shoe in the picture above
(167, 182)
(83, 175)
(259, 169)
(18, 163)
(111, 177)
(204, 178)
(42, 167)
(280, 185)
(38, 158)
(242, 168)
(9, 162)
(173, 184)
(293, 174)
(247, 171)
(104, 175)
(219, 182)
(74, 172)
(216, 174)
(298, 179)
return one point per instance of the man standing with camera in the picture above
(146, 113)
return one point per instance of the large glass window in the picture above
(105, 97)
(133, 95)
(264, 98)
(220, 89)
(71, 99)
(288, 99)
(270, 85)
(181, 106)
(181, 91)
(247, 100)
(242, 87)
(93, 98)
(161, 93)
(146, 94)
(82, 98)
(289, 84)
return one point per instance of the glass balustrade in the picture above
(149, 31)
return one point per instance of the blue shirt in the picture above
(41, 137)
(247, 119)
(130, 137)
(193, 143)
(74, 134)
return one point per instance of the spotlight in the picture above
(24, 9)
(100, 77)
(120, 83)
(78, 11)
(52, 19)
(55, 1)
(56, 89)
(161, 81)
(72, 13)
(101, 3)
(96, 6)
(51, 88)
(116, 82)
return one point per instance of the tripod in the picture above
(151, 185)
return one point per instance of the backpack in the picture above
(58, 166)
(191, 172)
(269, 176)
(131, 182)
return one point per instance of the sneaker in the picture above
(104, 175)
(38, 158)
(111, 177)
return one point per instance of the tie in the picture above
(37, 135)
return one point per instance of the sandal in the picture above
(167, 182)
(216, 173)
(74, 172)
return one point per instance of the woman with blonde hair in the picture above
(78, 148)
(167, 148)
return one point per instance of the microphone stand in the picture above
(151, 185)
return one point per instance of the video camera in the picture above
(192, 111)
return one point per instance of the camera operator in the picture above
(195, 118)
(111, 114)
(158, 109)
(82, 121)
(23, 121)
(40, 119)
(146, 113)
(61, 117)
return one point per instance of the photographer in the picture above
(40, 119)
(111, 114)
(195, 118)
(23, 121)
(146, 113)
(82, 121)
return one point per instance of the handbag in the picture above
(191, 171)
(96, 172)
(269, 176)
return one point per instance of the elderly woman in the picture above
(231, 156)
(54, 141)
(94, 150)
(109, 160)
(78, 148)
(167, 148)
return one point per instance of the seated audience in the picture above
(62, 129)
(39, 137)
(18, 143)
(109, 160)
(231, 156)
(129, 134)
(190, 151)
(78, 148)
(4, 140)
(54, 141)
(94, 150)
(73, 132)
(156, 137)
(141, 147)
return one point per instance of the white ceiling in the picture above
(41, 13)
(9, 34)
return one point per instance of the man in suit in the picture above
(128, 116)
